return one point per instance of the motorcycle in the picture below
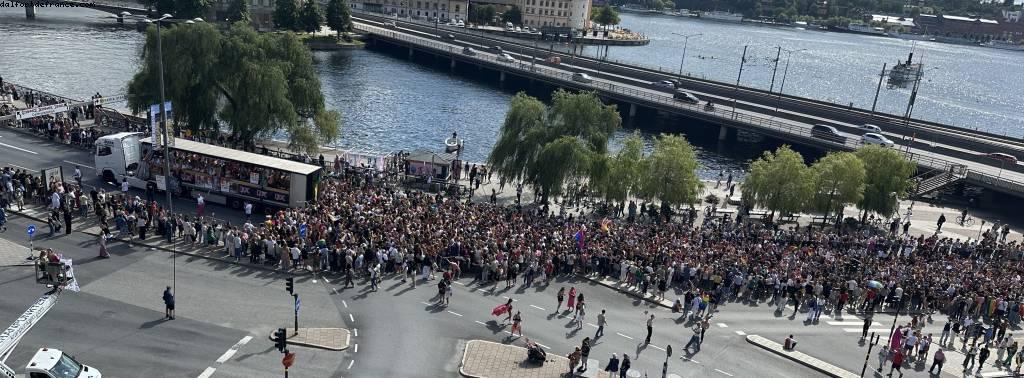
(709, 107)
(534, 353)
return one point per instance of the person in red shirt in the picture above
(897, 362)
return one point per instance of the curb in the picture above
(164, 248)
(627, 292)
(801, 358)
(552, 358)
(348, 343)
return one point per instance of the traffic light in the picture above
(290, 285)
(280, 339)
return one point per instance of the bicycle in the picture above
(965, 220)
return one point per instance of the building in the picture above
(540, 14)
(261, 11)
(970, 28)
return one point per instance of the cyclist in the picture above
(963, 217)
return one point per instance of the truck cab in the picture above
(52, 363)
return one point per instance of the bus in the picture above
(222, 175)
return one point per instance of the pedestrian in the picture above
(508, 310)
(78, 176)
(517, 324)
(200, 205)
(867, 324)
(571, 304)
(694, 340)
(982, 356)
(561, 297)
(897, 362)
(601, 321)
(168, 303)
(584, 354)
(942, 219)
(938, 360)
(704, 325)
(969, 359)
(883, 356)
(1011, 350)
(574, 358)
(67, 222)
(104, 234)
(945, 333)
(650, 329)
(789, 343)
(248, 210)
(625, 365)
(613, 365)
(124, 188)
(582, 313)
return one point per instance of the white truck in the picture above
(47, 362)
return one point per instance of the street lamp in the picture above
(686, 38)
(789, 54)
(913, 94)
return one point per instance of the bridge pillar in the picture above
(453, 64)
(120, 19)
(410, 52)
(726, 133)
(502, 77)
(632, 110)
(30, 10)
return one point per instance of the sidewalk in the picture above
(11, 253)
(336, 339)
(485, 359)
(801, 358)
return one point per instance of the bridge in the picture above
(944, 154)
(109, 6)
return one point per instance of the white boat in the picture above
(633, 8)
(866, 29)
(721, 16)
(1004, 45)
(452, 144)
(912, 36)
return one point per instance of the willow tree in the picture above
(257, 85)
(670, 172)
(887, 179)
(550, 146)
(838, 181)
(624, 170)
(779, 181)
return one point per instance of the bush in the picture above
(711, 199)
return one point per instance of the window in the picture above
(103, 151)
(456, 8)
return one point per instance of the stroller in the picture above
(534, 353)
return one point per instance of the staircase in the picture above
(937, 179)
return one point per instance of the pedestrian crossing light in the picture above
(280, 339)
(290, 285)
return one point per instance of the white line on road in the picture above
(326, 280)
(455, 313)
(18, 148)
(852, 323)
(479, 322)
(356, 348)
(539, 308)
(689, 359)
(656, 347)
(355, 331)
(336, 292)
(513, 300)
(234, 349)
(428, 304)
(79, 164)
(348, 339)
(592, 325)
(459, 283)
(722, 325)
(741, 333)
(207, 373)
(723, 372)
(543, 346)
(617, 333)
(859, 330)
(352, 318)
(350, 363)
(343, 303)
(18, 166)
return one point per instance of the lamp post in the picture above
(785, 72)
(913, 94)
(686, 39)
(736, 88)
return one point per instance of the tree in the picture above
(886, 181)
(670, 172)
(286, 15)
(778, 181)
(339, 18)
(310, 17)
(838, 181)
(513, 15)
(482, 14)
(623, 171)
(189, 9)
(605, 15)
(550, 146)
(252, 85)
(238, 11)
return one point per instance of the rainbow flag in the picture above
(606, 225)
(581, 237)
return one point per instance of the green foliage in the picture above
(482, 14)
(550, 146)
(286, 15)
(339, 17)
(670, 172)
(624, 170)
(887, 173)
(255, 84)
(310, 17)
(238, 11)
(779, 181)
(838, 181)
(189, 9)
(513, 15)
(605, 15)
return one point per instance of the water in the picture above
(972, 87)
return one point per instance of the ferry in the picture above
(912, 36)
(1003, 45)
(721, 16)
(634, 8)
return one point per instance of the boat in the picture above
(1003, 45)
(912, 36)
(856, 28)
(453, 143)
(905, 73)
(633, 8)
(721, 16)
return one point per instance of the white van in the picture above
(52, 363)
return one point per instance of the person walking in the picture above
(883, 357)
(584, 354)
(982, 356)
(613, 365)
(969, 359)
(517, 324)
(574, 358)
(626, 364)
(571, 303)
(581, 314)
(945, 333)
(938, 360)
(867, 324)
(897, 362)
(942, 219)
(168, 303)
(561, 297)
(1010, 350)
(650, 329)
(67, 222)
(200, 205)
(601, 321)
(104, 234)
(694, 340)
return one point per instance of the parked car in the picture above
(582, 77)
(468, 51)
(876, 139)
(686, 97)
(389, 24)
(519, 29)
(496, 49)
(676, 83)
(664, 84)
(461, 24)
(829, 133)
(449, 37)
(506, 58)
(869, 128)
(1003, 157)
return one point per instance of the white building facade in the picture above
(556, 13)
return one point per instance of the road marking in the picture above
(723, 372)
(592, 325)
(428, 304)
(851, 323)
(234, 349)
(356, 331)
(479, 322)
(542, 345)
(336, 292)
(513, 300)
(859, 330)
(348, 339)
(459, 283)
(741, 333)
(327, 281)
(19, 148)
(689, 359)
(722, 325)
(207, 373)
(18, 166)
(343, 303)
(656, 347)
(79, 164)
(455, 313)
(620, 334)
(539, 308)
(357, 348)
(350, 363)
(352, 318)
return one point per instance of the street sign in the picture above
(31, 230)
(298, 303)
(288, 360)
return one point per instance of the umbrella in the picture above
(874, 284)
